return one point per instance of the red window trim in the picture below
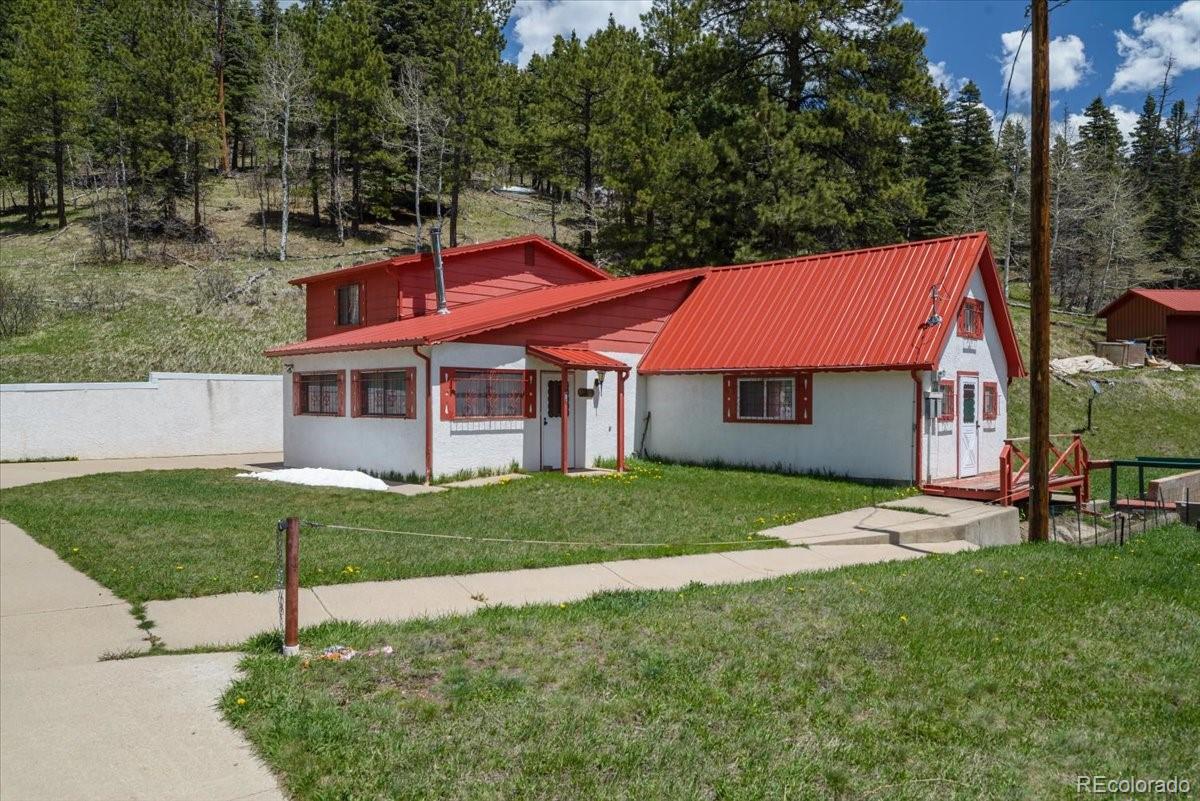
(975, 332)
(802, 400)
(362, 304)
(341, 389)
(446, 393)
(991, 411)
(410, 393)
(948, 412)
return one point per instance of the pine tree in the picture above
(1147, 143)
(973, 146)
(45, 94)
(1100, 144)
(1174, 222)
(1013, 154)
(934, 158)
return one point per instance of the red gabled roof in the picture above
(425, 258)
(854, 310)
(484, 315)
(1181, 301)
(575, 358)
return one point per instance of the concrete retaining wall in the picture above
(1178, 488)
(172, 414)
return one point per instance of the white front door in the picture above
(550, 406)
(968, 426)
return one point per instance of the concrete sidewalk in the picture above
(75, 729)
(16, 474)
(230, 619)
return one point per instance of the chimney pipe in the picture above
(435, 234)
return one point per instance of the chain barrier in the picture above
(280, 529)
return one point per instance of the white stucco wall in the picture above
(986, 357)
(172, 414)
(862, 426)
(398, 445)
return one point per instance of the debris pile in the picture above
(1073, 365)
(344, 653)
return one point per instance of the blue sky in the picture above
(1109, 48)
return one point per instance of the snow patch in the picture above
(320, 477)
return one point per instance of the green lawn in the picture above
(157, 535)
(998, 674)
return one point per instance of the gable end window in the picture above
(383, 393)
(319, 393)
(947, 412)
(768, 398)
(991, 395)
(350, 304)
(470, 394)
(970, 319)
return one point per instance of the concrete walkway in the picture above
(230, 619)
(16, 474)
(75, 729)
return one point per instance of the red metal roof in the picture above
(485, 315)
(426, 258)
(855, 310)
(576, 358)
(1182, 301)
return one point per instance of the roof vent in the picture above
(439, 280)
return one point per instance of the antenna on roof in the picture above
(934, 317)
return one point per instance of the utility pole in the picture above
(1039, 269)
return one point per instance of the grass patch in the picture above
(1000, 674)
(168, 534)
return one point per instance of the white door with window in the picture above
(550, 406)
(968, 426)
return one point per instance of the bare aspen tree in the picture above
(423, 127)
(284, 102)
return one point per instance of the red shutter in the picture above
(362, 303)
(947, 401)
(804, 398)
(730, 396)
(979, 319)
(447, 393)
(531, 390)
(297, 388)
(341, 384)
(991, 400)
(356, 393)
(410, 392)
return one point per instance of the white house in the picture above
(889, 363)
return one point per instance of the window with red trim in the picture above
(350, 304)
(947, 412)
(970, 319)
(319, 393)
(472, 394)
(768, 398)
(383, 393)
(991, 395)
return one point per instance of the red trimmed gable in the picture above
(403, 287)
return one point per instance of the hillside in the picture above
(195, 308)
(170, 312)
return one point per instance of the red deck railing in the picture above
(1069, 469)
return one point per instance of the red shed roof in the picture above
(484, 315)
(575, 358)
(1180, 301)
(854, 310)
(425, 258)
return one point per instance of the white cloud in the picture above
(1158, 37)
(940, 75)
(539, 21)
(1068, 62)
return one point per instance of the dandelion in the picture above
(978, 571)
(255, 575)
(790, 589)
(241, 702)
(760, 520)
(995, 639)
(75, 550)
(562, 606)
(179, 567)
(904, 619)
(1020, 578)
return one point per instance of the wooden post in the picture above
(620, 421)
(291, 615)
(1039, 270)
(564, 417)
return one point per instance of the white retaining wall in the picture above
(172, 414)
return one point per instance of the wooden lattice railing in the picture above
(1071, 461)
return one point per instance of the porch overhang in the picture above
(575, 358)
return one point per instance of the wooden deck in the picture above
(986, 487)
